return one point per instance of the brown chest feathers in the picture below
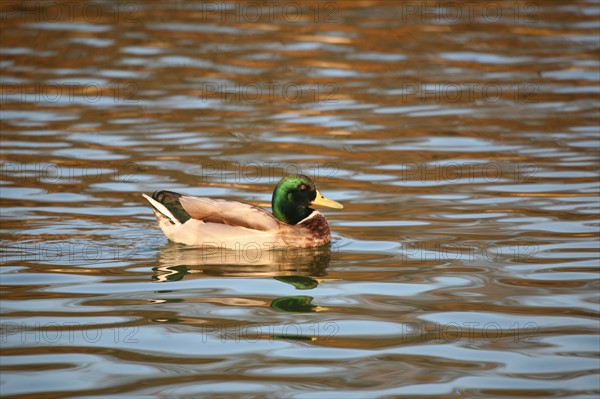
(312, 232)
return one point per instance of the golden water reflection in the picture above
(464, 148)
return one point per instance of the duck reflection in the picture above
(298, 267)
(295, 304)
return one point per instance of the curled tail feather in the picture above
(166, 204)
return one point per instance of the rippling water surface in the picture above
(462, 140)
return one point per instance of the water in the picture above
(462, 141)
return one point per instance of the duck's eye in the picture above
(303, 187)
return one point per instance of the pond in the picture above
(461, 138)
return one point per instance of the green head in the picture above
(293, 197)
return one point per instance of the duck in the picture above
(220, 223)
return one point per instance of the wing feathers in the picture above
(230, 213)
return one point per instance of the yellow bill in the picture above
(320, 200)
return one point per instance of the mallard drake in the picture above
(229, 224)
